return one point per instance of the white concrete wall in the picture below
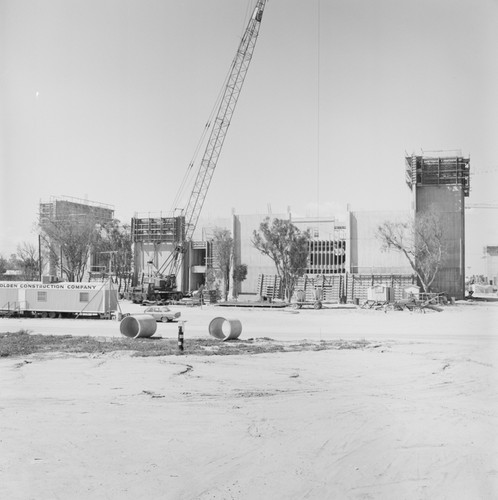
(367, 256)
(257, 263)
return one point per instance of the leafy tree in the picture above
(421, 240)
(239, 274)
(27, 260)
(287, 246)
(223, 257)
(212, 281)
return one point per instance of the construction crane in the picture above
(168, 271)
(219, 130)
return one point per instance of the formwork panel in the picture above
(334, 287)
(157, 229)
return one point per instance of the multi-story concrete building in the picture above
(442, 182)
(60, 210)
(346, 244)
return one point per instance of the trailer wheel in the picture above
(52, 315)
(317, 305)
(44, 315)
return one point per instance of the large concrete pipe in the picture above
(225, 328)
(139, 325)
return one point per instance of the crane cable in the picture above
(189, 169)
(318, 114)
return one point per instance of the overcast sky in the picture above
(106, 100)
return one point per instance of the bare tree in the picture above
(287, 246)
(421, 241)
(28, 261)
(3, 265)
(114, 243)
(69, 239)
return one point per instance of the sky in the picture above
(106, 100)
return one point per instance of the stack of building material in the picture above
(337, 287)
(270, 286)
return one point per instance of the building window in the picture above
(42, 296)
(84, 296)
(326, 257)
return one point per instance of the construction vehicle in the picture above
(161, 285)
(156, 289)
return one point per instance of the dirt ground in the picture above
(412, 415)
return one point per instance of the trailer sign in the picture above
(50, 286)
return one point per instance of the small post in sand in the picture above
(180, 336)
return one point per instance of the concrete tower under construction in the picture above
(441, 182)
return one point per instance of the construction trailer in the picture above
(37, 299)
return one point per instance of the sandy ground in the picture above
(412, 416)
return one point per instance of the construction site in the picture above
(345, 257)
(342, 249)
(329, 350)
(172, 254)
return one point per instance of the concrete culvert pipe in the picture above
(225, 328)
(139, 325)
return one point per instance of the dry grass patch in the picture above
(22, 344)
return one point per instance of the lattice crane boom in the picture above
(238, 71)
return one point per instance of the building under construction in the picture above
(346, 244)
(64, 207)
(339, 246)
(155, 241)
(442, 182)
(62, 212)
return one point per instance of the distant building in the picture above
(12, 275)
(342, 244)
(64, 206)
(63, 209)
(345, 244)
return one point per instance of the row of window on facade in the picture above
(327, 257)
